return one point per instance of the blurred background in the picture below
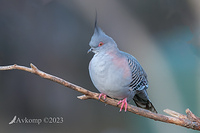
(54, 35)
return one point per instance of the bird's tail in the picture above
(141, 100)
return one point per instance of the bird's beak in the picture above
(90, 50)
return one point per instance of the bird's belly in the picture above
(105, 80)
(116, 86)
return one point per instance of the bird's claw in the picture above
(124, 104)
(104, 96)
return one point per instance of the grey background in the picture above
(54, 36)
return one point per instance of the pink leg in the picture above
(124, 104)
(104, 96)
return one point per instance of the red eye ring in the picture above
(100, 44)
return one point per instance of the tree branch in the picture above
(188, 121)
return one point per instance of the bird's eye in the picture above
(100, 44)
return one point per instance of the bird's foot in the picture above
(124, 104)
(104, 96)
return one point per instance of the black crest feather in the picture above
(95, 24)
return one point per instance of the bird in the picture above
(117, 74)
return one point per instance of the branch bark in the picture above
(189, 121)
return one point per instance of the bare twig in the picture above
(189, 121)
(175, 114)
(191, 116)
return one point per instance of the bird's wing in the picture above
(139, 83)
(139, 77)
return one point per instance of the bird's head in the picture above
(100, 42)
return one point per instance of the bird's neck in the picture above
(109, 53)
(112, 50)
